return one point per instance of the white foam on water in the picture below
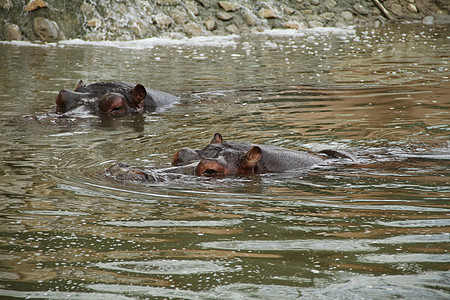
(29, 44)
(308, 31)
(199, 41)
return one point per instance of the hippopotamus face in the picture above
(231, 162)
(222, 158)
(187, 155)
(110, 98)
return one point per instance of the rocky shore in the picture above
(50, 21)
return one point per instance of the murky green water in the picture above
(378, 229)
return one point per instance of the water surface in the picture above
(375, 229)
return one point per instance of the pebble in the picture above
(192, 29)
(192, 7)
(162, 21)
(267, 13)
(428, 20)
(179, 17)
(13, 32)
(360, 9)
(288, 10)
(412, 8)
(224, 16)
(229, 6)
(232, 28)
(347, 16)
(329, 4)
(210, 24)
(327, 16)
(249, 18)
(35, 4)
(95, 23)
(205, 3)
(396, 9)
(292, 25)
(46, 29)
(314, 24)
(6, 4)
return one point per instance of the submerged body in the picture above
(112, 98)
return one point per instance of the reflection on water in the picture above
(378, 228)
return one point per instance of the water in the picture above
(377, 229)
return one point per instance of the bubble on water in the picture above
(166, 266)
(290, 245)
(174, 223)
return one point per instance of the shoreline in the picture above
(37, 20)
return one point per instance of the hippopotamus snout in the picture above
(65, 101)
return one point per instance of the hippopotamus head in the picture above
(185, 156)
(228, 158)
(216, 146)
(231, 162)
(110, 98)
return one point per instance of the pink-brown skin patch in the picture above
(115, 104)
(230, 164)
(185, 156)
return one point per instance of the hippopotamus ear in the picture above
(138, 92)
(217, 139)
(80, 84)
(252, 157)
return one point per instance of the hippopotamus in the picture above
(221, 158)
(112, 98)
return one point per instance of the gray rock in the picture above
(287, 9)
(46, 30)
(224, 16)
(232, 28)
(6, 4)
(168, 2)
(294, 25)
(396, 9)
(314, 24)
(162, 21)
(327, 16)
(229, 6)
(210, 24)
(249, 18)
(267, 13)
(347, 16)
(330, 4)
(192, 8)
(412, 8)
(192, 29)
(35, 4)
(428, 20)
(94, 23)
(179, 17)
(361, 9)
(13, 32)
(205, 3)
(315, 2)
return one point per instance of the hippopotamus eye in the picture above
(117, 108)
(210, 172)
